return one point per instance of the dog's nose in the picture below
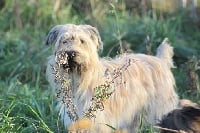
(64, 57)
(70, 54)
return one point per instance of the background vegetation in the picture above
(26, 101)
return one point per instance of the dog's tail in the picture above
(186, 119)
(165, 52)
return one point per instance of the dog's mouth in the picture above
(70, 65)
(67, 60)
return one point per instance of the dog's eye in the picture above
(82, 41)
(65, 41)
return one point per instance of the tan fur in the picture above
(186, 102)
(149, 84)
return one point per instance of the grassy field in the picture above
(26, 101)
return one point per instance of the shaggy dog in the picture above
(143, 89)
(185, 118)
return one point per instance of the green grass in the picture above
(26, 101)
(26, 108)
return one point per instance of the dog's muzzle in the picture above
(66, 59)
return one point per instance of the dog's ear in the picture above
(94, 35)
(53, 34)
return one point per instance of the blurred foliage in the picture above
(138, 26)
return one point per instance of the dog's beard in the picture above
(72, 66)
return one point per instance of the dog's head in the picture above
(74, 44)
